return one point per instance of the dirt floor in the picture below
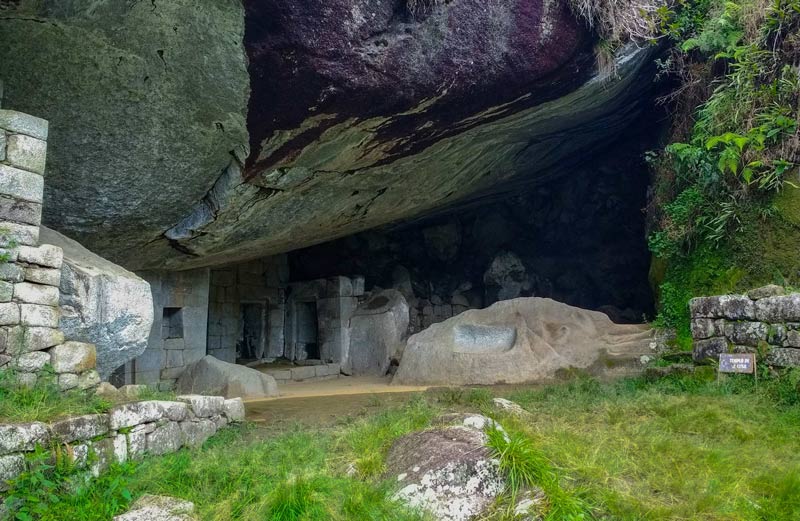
(327, 402)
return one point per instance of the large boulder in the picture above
(447, 471)
(212, 376)
(146, 102)
(517, 341)
(360, 109)
(102, 304)
(377, 330)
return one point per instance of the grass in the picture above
(685, 447)
(43, 402)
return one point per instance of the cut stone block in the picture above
(234, 409)
(26, 152)
(709, 350)
(29, 293)
(34, 338)
(11, 466)
(792, 338)
(731, 307)
(11, 272)
(6, 291)
(73, 357)
(8, 254)
(30, 362)
(80, 455)
(328, 370)
(67, 381)
(9, 314)
(19, 123)
(27, 380)
(39, 315)
(46, 276)
(165, 439)
(195, 433)
(103, 452)
(88, 380)
(15, 234)
(204, 406)
(21, 184)
(80, 428)
(120, 448)
(22, 437)
(45, 255)
(2, 145)
(771, 290)
(303, 373)
(784, 357)
(746, 333)
(16, 210)
(137, 413)
(779, 309)
(703, 328)
(174, 344)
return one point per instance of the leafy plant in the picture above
(737, 142)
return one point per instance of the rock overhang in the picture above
(360, 115)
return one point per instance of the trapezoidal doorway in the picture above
(251, 339)
(307, 331)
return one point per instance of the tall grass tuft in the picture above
(43, 401)
(525, 466)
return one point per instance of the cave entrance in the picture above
(307, 333)
(578, 238)
(251, 339)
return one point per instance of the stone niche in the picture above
(178, 336)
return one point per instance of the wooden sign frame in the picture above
(734, 364)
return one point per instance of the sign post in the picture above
(744, 363)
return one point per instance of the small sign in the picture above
(737, 363)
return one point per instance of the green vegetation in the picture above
(726, 194)
(685, 447)
(43, 401)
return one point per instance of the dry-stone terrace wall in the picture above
(764, 320)
(30, 338)
(127, 432)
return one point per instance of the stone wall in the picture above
(304, 373)
(263, 283)
(765, 321)
(333, 300)
(30, 338)
(180, 321)
(127, 432)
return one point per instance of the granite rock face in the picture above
(359, 110)
(102, 304)
(146, 103)
(520, 340)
